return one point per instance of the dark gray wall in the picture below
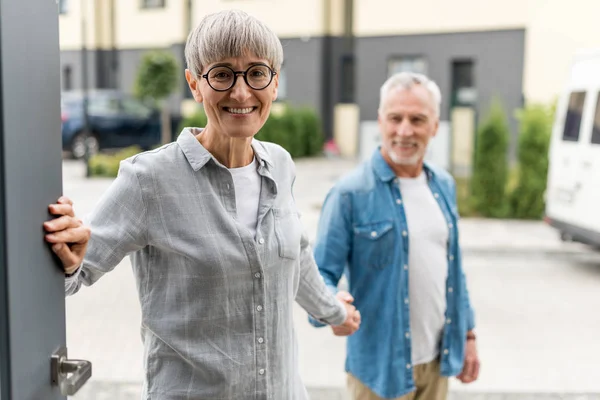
(498, 57)
(313, 68)
(303, 65)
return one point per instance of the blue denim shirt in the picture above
(363, 233)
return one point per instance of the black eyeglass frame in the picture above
(237, 73)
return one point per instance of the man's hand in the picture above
(353, 316)
(67, 234)
(470, 371)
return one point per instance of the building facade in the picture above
(339, 52)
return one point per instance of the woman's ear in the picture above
(194, 86)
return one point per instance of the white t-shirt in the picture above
(427, 267)
(246, 182)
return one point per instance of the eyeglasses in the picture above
(222, 78)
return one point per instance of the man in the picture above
(391, 224)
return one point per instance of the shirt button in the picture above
(404, 233)
(450, 290)
(446, 351)
(261, 240)
(448, 321)
(373, 234)
(450, 226)
(405, 301)
(408, 366)
(405, 266)
(451, 258)
(398, 201)
(407, 335)
(259, 308)
(436, 195)
(261, 371)
(257, 275)
(261, 340)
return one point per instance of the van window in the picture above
(573, 119)
(596, 127)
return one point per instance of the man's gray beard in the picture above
(413, 160)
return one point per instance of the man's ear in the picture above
(193, 85)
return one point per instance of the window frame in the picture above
(144, 4)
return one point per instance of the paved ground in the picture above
(536, 300)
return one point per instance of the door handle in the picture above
(69, 375)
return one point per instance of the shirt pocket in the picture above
(374, 244)
(288, 231)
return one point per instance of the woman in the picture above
(216, 244)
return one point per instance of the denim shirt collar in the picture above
(386, 174)
(198, 156)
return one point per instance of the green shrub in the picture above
(107, 165)
(488, 184)
(313, 138)
(527, 198)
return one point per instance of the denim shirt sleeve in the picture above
(333, 243)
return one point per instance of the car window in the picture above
(573, 119)
(596, 126)
(103, 106)
(135, 108)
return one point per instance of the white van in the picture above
(573, 192)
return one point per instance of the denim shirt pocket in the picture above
(374, 244)
(288, 231)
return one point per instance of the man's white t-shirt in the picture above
(427, 267)
(246, 182)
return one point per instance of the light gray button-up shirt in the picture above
(216, 302)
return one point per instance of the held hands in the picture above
(67, 234)
(353, 316)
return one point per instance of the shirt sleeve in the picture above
(333, 241)
(313, 294)
(118, 226)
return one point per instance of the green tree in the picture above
(527, 199)
(488, 184)
(156, 79)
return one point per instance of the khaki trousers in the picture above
(430, 385)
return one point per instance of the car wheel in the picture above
(81, 141)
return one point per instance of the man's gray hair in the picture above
(228, 34)
(408, 80)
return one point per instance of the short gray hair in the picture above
(408, 80)
(228, 34)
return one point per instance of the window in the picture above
(63, 6)
(596, 127)
(153, 3)
(573, 118)
(134, 108)
(463, 83)
(407, 64)
(67, 78)
(103, 106)
(347, 79)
